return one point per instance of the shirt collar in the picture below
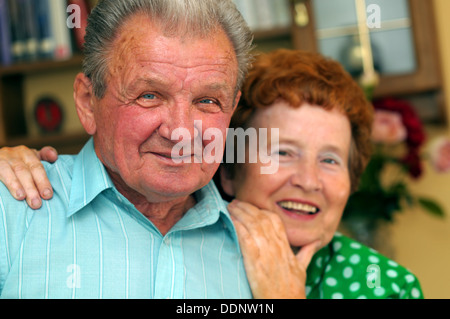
(89, 179)
(210, 209)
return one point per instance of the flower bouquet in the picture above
(398, 137)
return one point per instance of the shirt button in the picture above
(167, 241)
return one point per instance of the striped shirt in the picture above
(89, 241)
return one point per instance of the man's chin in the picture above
(172, 191)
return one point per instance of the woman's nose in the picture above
(307, 176)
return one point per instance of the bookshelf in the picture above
(13, 126)
(38, 59)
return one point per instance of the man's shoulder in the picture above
(63, 165)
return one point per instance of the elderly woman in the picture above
(287, 221)
(323, 146)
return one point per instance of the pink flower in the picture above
(440, 154)
(388, 127)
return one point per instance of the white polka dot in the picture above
(337, 245)
(307, 289)
(337, 295)
(340, 258)
(409, 278)
(402, 293)
(331, 282)
(392, 263)
(395, 288)
(328, 268)
(348, 272)
(379, 291)
(355, 286)
(392, 273)
(362, 297)
(355, 245)
(374, 259)
(319, 262)
(415, 293)
(354, 259)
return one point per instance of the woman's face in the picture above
(311, 187)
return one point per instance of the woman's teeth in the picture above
(301, 208)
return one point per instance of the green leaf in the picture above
(431, 206)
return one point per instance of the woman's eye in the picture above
(330, 161)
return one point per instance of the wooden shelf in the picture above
(68, 143)
(40, 66)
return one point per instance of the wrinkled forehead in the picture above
(141, 40)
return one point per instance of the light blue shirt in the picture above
(89, 241)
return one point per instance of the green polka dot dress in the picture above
(346, 269)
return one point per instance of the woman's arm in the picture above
(23, 174)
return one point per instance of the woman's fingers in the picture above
(24, 175)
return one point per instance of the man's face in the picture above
(157, 84)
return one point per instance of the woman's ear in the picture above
(83, 96)
(226, 182)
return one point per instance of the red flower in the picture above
(413, 163)
(415, 132)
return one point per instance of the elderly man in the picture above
(126, 221)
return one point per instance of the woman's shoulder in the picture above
(353, 270)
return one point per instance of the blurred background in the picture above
(398, 50)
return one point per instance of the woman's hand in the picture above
(24, 175)
(273, 270)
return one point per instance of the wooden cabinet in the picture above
(421, 85)
(426, 77)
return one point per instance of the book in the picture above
(5, 34)
(31, 29)
(46, 40)
(17, 28)
(60, 30)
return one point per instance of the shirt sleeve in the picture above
(14, 220)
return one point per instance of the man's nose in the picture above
(179, 125)
(307, 176)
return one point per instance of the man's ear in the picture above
(83, 96)
(226, 182)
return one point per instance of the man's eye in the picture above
(148, 96)
(207, 101)
(209, 105)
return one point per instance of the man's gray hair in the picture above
(196, 17)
